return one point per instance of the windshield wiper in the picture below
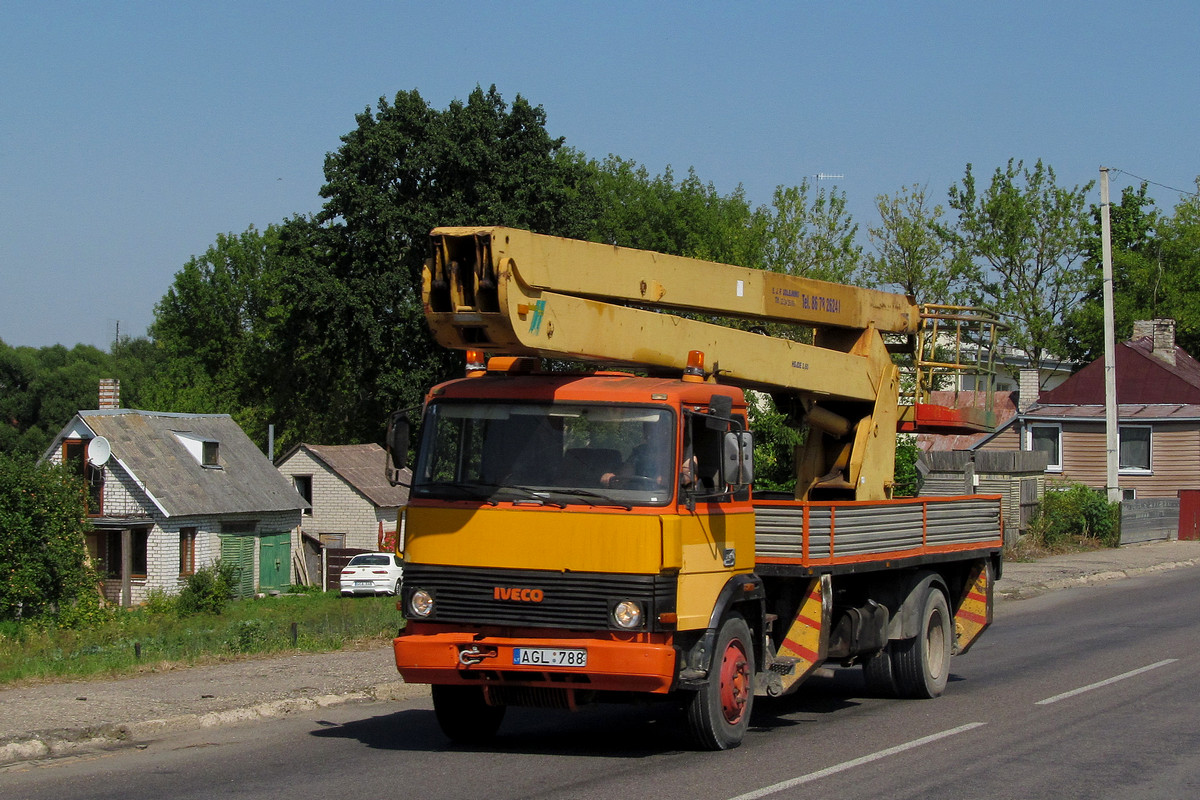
(587, 495)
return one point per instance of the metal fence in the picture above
(1150, 520)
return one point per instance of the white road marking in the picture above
(1114, 679)
(858, 762)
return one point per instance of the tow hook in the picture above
(475, 654)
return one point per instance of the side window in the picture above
(1048, 439)
(1134, 448)
(303, 485)
(701, 471)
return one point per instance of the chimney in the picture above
(110, 393)
(1161, 333)
(1164, 340)
(1027, 390)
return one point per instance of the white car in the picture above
(372, 573)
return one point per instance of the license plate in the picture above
(363, 583)
(550, 656)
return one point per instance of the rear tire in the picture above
(464, 716)
(921, 665)
(719, 713)
(878, 674)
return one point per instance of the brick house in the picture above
(172, 493)
(350, 502)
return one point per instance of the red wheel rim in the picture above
(735, 682)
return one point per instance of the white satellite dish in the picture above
(98, 451)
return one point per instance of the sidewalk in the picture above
(60, 718)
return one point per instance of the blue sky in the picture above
(131, 134)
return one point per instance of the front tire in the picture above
(921, 665)
(719, 713)
(463, 714)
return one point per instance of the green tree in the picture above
(913, 254)
(1027, 236)
(1156, 273)
(211, 331)
(813, 237)
(775, 443)
(349, 343)
(1139, 278)
(42, 388)
(1180, 254)
(43, 555)
(690, 218)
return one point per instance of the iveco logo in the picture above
(517, 594)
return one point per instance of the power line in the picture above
(1156, 183)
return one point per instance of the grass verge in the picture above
(145, 640)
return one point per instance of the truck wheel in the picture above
(921, 665)
(463, 714)
(877, 671)
(719, 713)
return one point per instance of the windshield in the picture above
(550, 454)
(370, 561)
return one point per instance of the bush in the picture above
(43, 554)
(207, 590)
(1073, 514)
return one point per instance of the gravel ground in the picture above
(55, 718)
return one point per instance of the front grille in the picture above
(576, 600)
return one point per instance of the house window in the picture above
(1048, 439)
(1134, 448)
(110, 554)
(187, 551)
(303, 485)
(207, 452)
(1129, 494)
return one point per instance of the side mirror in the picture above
(397, 441)
(737, 458)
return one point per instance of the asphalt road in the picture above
(1088, 692)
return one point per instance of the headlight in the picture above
(628, 614)
(420, 603)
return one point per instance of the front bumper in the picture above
(441, 654)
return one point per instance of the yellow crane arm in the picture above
(656, 280)
(512, 292)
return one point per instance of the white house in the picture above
(170, 493)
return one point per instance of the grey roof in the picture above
(362, 466)
(146, 444)
(1126, 412)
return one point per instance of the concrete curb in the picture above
(67, 741)
(1035, 589)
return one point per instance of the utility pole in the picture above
(1110, 348)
